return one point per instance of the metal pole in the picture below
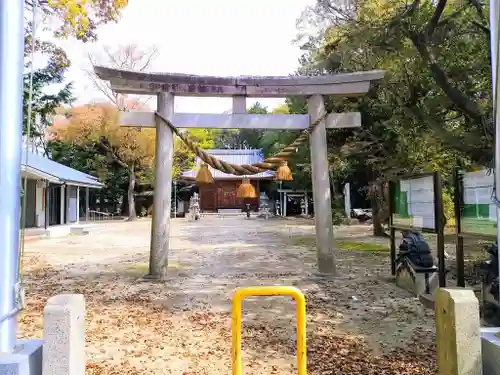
(494, 40)
(11, 107)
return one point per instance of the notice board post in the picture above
(459, 241)
(392, 229)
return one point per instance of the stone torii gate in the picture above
(166, 86)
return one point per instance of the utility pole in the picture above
(494, 40)
(11, 120)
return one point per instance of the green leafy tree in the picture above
(436, 57)
(430, 112)
(184, 158)
(241, 138)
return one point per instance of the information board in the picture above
(414, 203)
(479, 211)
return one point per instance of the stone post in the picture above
(321, 189)
(64, 335)
(160, 228)
(347, 199)
(458, 332)
(239, 104)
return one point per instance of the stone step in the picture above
(229, 211)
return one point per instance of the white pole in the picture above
(11, 120)
(494, 40)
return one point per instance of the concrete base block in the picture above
(490, 348)
(25, 360)
(416, 280)
(64, 335)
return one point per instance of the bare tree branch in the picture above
(127, 57)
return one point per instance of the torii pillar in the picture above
(167, 86)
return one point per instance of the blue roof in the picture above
(233, 156)
(59, 171)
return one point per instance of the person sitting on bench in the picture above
(414, 247)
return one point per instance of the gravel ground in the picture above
(358, 323)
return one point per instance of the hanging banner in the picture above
(479, 212)
(414, 203)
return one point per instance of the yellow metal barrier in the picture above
(252, 291)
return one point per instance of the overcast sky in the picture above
(212, 37)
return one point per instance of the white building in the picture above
(53, 191)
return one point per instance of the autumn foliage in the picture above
(98, 125)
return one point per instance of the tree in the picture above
(413, 121)
(36, 80)
(184, 158)
(128, 57)
(241, 138)
(78, 18)
(436, 55)
(96, 126)
(66, 18)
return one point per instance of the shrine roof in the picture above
(234, 156)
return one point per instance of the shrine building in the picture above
(221, 195)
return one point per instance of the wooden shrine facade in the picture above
(222, 193)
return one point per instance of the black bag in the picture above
(416, 249)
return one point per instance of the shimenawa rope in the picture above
(271, 162)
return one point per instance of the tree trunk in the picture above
(132, 215)
(378, 229)
(377, 211)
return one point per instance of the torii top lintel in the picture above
(132, 82)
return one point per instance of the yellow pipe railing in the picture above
(254, 291)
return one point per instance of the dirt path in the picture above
(358, 323)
